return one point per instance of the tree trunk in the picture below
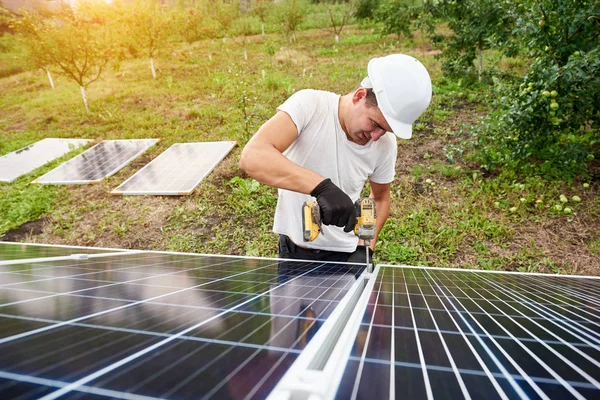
(245, 54)
(152, 66)
(84, 97)
(263, 29)
(49, 77)
(337, 38)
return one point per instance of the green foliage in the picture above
(549, 123)
(365, 9)
(195, 23)
(397, 15)
(289, 14)
(148, 25)
(476, 25)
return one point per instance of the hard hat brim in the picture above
(400, 129)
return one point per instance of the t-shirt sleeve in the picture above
(300, 107)
(385, 170)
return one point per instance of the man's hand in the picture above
(336, 207)
(359, 256)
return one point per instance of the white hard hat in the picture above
(403, 89)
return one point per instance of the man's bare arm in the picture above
(381, 194)
(263, 160)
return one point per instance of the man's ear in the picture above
(359, 94)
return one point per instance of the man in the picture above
(325, 145)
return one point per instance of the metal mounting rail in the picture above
(317, 372)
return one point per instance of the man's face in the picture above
(366, 122)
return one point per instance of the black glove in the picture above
(359, 256)
(336, 207)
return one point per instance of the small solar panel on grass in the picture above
(102, 160)
(25, 160)
(177, 171)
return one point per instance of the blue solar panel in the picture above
(158, 325)
(148, 325)
(433, 333)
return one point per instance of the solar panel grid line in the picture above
(367, 341)
(393, 351)
(160, 263)
(96, 167)
(455, 370)
(526, 376)
(427, 383)
(86, 389)
(256, 387)
(558, 317)
(466, 372)
(27, 159)
(546, 313)
(39, 330)
(132, 357)
(161, 334)
(555, 297)
(528, 351)
(495, 336)
(491, 377)
(593, 361)
(572, 293)
(138, 284)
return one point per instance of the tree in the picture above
(476, 25)
(290, 14)
(338, 15)
(548, 122)
(260, 8)
(195, 23)
(77, 43)
(149, 26)
(397, 16)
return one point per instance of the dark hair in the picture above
(371, 100)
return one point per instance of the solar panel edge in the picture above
(63, 258)
(69, 246)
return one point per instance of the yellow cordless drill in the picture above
(365, 228)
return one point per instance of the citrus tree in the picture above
(548, 122)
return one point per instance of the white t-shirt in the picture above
(322, 147)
